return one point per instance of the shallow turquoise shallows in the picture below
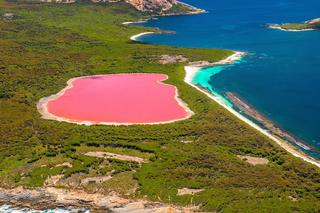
(203, 77)
(281, 75)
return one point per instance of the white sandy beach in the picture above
(136, 22)
(191, 72)
(135, 37)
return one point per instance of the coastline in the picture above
(76, 200)
(135, 37)
(42, 106)
(307, 26)
(192, 11)
(278, 27)
(191, 71)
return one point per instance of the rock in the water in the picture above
(314, 21)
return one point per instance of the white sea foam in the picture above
(10, 209)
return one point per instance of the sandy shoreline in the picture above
(42, 105)
(135, 37)
(191, 71)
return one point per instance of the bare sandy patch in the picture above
(65, 164)
(53, 180)
(109, 155)
(254, 160)
(187, 191)
(170, 59)
(99, 179)
(186, 141)
(292, 198)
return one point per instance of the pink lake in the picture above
(116, 99)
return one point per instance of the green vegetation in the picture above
(300, 26)
(124, 183)
(49, 43)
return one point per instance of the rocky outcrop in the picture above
(313, 24)
(153, 5)
(51, 198)
(314, 21)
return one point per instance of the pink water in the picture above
(119, 98)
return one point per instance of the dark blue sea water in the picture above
(280, 77)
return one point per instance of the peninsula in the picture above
(306, 26)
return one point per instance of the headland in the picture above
(313, 24)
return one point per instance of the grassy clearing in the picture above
(294, 26)
(116, 150)
(124, 183)
(49, 44)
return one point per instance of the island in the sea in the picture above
(313, 24)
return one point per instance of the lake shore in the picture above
(42, 106)
(191, 71)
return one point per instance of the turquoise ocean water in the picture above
(281, 75)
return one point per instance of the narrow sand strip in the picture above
(135, 37)
(191, 72)
(109, 155)
(187, 191)
(140, 21)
